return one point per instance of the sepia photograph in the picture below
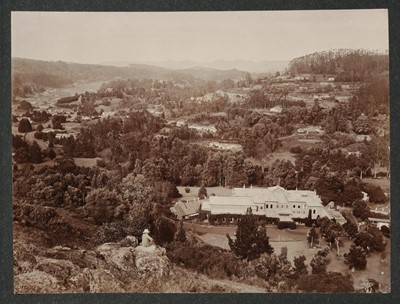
(201, 152)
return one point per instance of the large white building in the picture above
(274, 202)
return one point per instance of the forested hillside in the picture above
(348, 65)
(30, 76)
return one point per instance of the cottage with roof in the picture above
(186, 210)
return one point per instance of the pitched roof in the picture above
(279, 194)
(186, 208)
(231, 201)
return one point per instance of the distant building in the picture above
(361, 138)
(225, 146)
(380, 222)
(321, 96)
(331, 78)
(203, 128)
(355, 153)
(311, 130)
(276, 109)
(343, 98)
(273, 202)
(186, 210)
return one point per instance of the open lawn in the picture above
(69, 126)
(270, 159)
(383, 182)
(86, 162)
(378, 264)
(218, 191)
(303, 142)
(283, 152)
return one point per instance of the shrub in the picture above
(356, 258)
(370, 239)
(24, 126)
(375, 193)
(325, 282)
(101, 163)
(220, 219)
(110, 232)
(296, 149)
(284, 225)
(385, 231)
(202, 192)
(213, 261)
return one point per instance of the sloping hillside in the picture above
(357, 65)
(30, 76)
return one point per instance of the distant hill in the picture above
(213, 74)
(31, 76)
(242, 65)
(351, 65)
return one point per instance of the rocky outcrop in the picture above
(151, 261)
(110, 267)
(114, 255)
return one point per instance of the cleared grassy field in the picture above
(384, 183)
(218, 191)
(279, 155)
(378, 264)
(86, 162)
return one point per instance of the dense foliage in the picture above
(251, 240)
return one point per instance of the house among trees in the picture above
(276, 109)
(311, 130)
(186, 210)
(380, 222)
(273, 202)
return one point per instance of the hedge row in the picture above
(225, 219)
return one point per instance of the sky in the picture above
(93, 37)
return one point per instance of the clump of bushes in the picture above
(284, 225)
(212, 261)
(325, 282)
(225, 219)
(375, 194)
(57, 229)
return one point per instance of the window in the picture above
(313, 211)
(294, 206)
(298, 206)
(266, 206)
(271, 206)
(261, 207)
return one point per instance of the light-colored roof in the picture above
(186, 208)
(336, 215)
(205, 205)
(375, 219)
(231, 201)
(279, 194)
(304, 196)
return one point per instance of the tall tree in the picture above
(24, 126)
(356, 258)
(251, 239)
